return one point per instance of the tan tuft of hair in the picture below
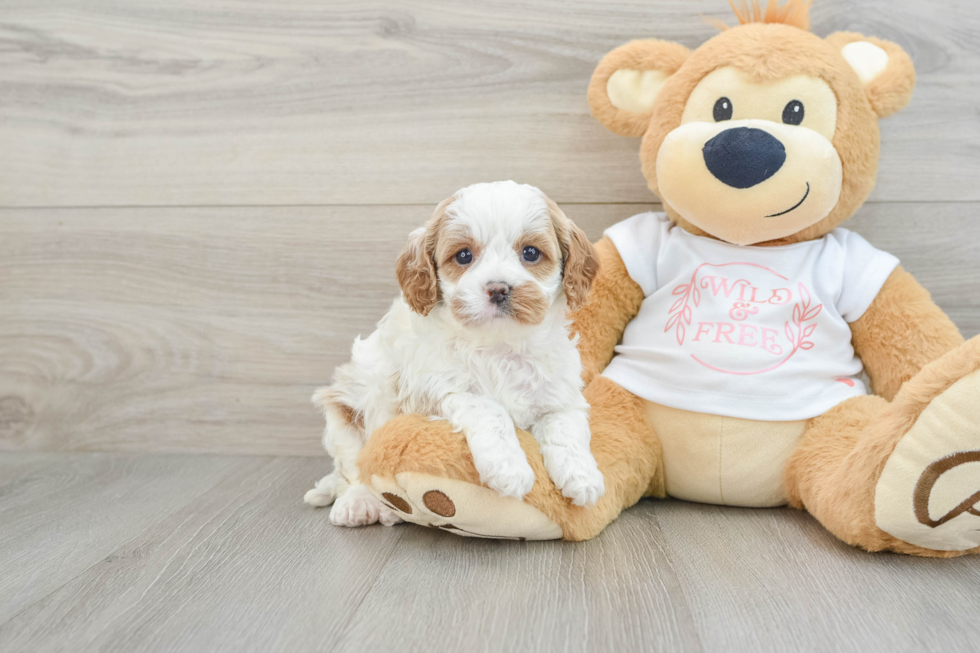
(795, 13)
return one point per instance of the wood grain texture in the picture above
(13, 468)
(248, 567)
(189, 330)
(206, 330)
(775, 580)
(615, 593)
(70, 513)
(120, 102)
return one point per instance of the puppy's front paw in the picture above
(576, 475)
(356, 507)
(585, 487)
(509, 477)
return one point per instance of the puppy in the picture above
(480, 338)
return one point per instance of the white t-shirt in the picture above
(753, 332)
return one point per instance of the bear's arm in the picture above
(901, 332)
(614, 300)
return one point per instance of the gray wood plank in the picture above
(14, 466)
(617, 592)
(190, 329)
(207, 329)
(775, 580)
(247, 567)
(68, 515)
(113, 102)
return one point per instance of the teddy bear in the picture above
(726, 341)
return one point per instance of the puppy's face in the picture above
(497, 254)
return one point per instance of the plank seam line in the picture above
(663, 547)
(360, 602)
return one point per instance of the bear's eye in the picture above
(464, 256)
(723, 109)
(793, 112)
(531, 254)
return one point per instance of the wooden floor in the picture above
(153, 552)
(200, 207)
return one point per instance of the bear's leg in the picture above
(629, 456)
(424, 471)
(901, 476)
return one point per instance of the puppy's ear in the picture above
(626, 82)
(580, 261)
(416, 267)
(884, 69)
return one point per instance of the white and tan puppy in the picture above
(479, 337)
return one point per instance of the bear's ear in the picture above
(625, 84)
(883, 67)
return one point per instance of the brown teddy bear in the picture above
(724, 341)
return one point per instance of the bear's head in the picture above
(766, 134)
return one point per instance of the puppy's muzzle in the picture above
(499, 293)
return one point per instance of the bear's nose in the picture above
(742, 157)
(498, 292)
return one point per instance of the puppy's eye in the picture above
(793, 113)
(531, 254)
(464, 257)
(723, 109)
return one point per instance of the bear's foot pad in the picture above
(462, 508)
(928, 493)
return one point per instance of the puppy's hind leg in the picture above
(342, 438)
(326, 490)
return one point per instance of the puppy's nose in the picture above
(742, 157)
(498, 292)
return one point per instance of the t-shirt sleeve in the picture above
(865, 271)
(638, 240)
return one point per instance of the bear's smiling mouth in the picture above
(795, 206)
